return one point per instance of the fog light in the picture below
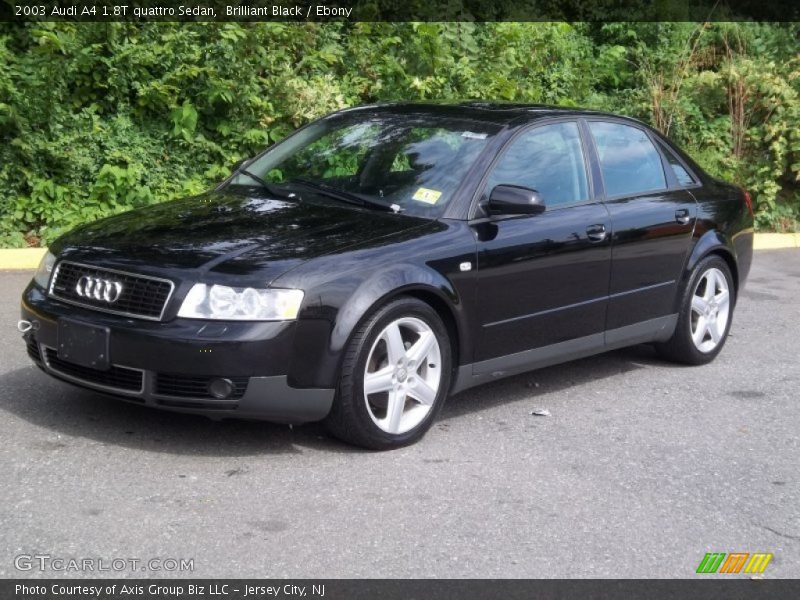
(220, 388)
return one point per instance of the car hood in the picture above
(229, 232)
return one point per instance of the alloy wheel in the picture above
(402, 375)
(710, 310)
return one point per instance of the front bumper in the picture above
(168, 365)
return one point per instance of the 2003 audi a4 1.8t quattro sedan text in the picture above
(384, 257)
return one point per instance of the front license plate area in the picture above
(84, 345)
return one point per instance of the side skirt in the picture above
(653, 330)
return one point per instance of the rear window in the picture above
(681, 174)
(629, 161)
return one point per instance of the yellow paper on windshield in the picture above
(427, 196)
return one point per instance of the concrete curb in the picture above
(28, 258)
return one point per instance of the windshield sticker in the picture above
(473, 136)
(427, 196)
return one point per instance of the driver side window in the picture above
(548, 159)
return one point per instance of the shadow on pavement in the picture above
(550, 379)
(66, 410)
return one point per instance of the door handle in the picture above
(596, 233)
(682, 216)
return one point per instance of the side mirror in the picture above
(515, 200)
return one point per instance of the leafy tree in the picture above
(98, 118)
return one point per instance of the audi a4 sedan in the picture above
(385, 257)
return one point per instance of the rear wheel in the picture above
(705, 316)
(395, 377)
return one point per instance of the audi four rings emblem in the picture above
(98, 289)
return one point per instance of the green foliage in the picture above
(728, 93)
(97, 118)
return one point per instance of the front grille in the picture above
(116, 378)
(184, 386)
(141, 296)
(33, 350)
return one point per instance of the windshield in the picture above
(413, 161)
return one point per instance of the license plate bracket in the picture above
(83, 344)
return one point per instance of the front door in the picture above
(543, 279)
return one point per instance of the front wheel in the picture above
(705, 315)
(395, 377)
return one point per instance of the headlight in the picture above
(240, 304)
(42, 276)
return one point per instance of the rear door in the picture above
(652, 218)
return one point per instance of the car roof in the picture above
(501, 113)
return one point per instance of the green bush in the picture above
(97, 118)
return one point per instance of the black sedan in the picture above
(385, 257)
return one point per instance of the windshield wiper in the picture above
(345, 196)
(272, 189)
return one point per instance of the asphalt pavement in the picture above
(641, 468)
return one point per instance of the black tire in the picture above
(349, 419)
(680, 347)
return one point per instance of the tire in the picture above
(704, 319)
(406, 393)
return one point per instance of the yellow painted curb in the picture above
(21, 258)
(774, 241)
(28, 258)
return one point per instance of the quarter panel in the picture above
(724, 225)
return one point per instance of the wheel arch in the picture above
(713, 242)
(726, 255)
(445, 312)
(424, 284)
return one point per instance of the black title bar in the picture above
(383, 589)
(399, 10)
